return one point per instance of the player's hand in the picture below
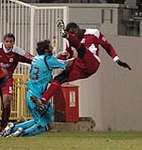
(3, 76)
(69, 62)
(123, 64)
(37, 101)
(41, 108)
(64, 52)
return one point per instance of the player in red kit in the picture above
(9, 58)
(86, 43)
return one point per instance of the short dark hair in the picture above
(71, 25)
(42, 45)
(9, 35)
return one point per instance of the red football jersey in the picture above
(92, 39)
(9, 59)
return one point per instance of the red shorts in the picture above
(83, 67)
(7, 88)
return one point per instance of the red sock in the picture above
(55, 86)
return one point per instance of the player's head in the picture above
(44, 47)
(72, 27)
(75, 29)
(9, 40)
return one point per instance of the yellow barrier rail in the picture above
(19, 109)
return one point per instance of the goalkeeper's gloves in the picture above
(41, 107)
(123, 64)
(42, 110)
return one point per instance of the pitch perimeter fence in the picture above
(29, 24)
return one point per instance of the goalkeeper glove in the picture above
(123, 64)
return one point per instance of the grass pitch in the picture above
(75, 141)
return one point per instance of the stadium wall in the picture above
(113, 95)
(102, 16)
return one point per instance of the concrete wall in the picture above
(131, 3)
(112, 19)
(104, 16)
(113, 96)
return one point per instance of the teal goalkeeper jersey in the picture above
(41, 72)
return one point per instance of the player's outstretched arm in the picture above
(123, 64)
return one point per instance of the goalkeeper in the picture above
(40, 75)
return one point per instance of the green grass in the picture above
(75, 141)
